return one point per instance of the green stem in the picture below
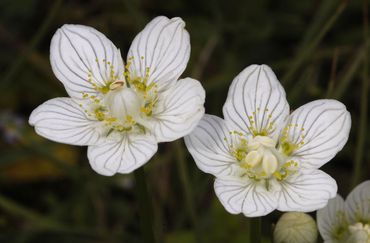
(145, 206)
(185, 183)
(18, 63)
(309, 49)
(43, 223)
(255, 234)
(347, 75)
(321, 14)
(38, 220)
(333, 73)
(361, 134)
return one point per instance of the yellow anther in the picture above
(288, 148)
(99, 114)
(278, 175)
(117, 84)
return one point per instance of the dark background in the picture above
(49, 193)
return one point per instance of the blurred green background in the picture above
(49, 193)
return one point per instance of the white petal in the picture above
(62, 120)
(331, 219)
(325, 125)
(358, 203)
(242, 195)
(306, 192)
(77, 51)
(163, 46)
(256, 101)
(178, 110)
(209, 145)
(122, 157)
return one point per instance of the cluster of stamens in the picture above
(149, 92)
(97, 105)
(240, 148)
(265, 129)
(259, 157)
(287, 146)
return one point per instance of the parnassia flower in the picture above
(121, 111)
(347, 221)
(263, 158)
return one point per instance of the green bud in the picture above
(295, 227)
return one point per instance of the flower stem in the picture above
(308, 49)
(361, 134)
(36, 39)
(185, 183)
(255, 230)
(145, 206)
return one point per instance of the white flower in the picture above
(263, 158)
(121, 111)
(347, 221)
(295, 227)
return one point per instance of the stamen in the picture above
(267, 128)
(100, 106)
(288, 147)
(259, 158)
(117, 84)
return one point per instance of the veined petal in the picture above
(331, 219)
(163, 47)
(358, 203)
(82, 58)
(209, 145)
(241, 195)
(178, 110)
(63, 120)
(123, 156)
(256, 102)
(306, 192)
(319, 130)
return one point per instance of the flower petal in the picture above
(82, 57)
(178, 110)
(256, 102)
(241, 195)
(124, 156)
(208, 144)
(320, 129)
(163, 47)
(306, 192)
(358, 203)
(331, 219)
(62, 120)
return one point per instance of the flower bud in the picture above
(295, 227)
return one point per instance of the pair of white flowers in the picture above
(263, 158)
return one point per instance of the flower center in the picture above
(259, 158)
(359, 232)
(122, 104)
